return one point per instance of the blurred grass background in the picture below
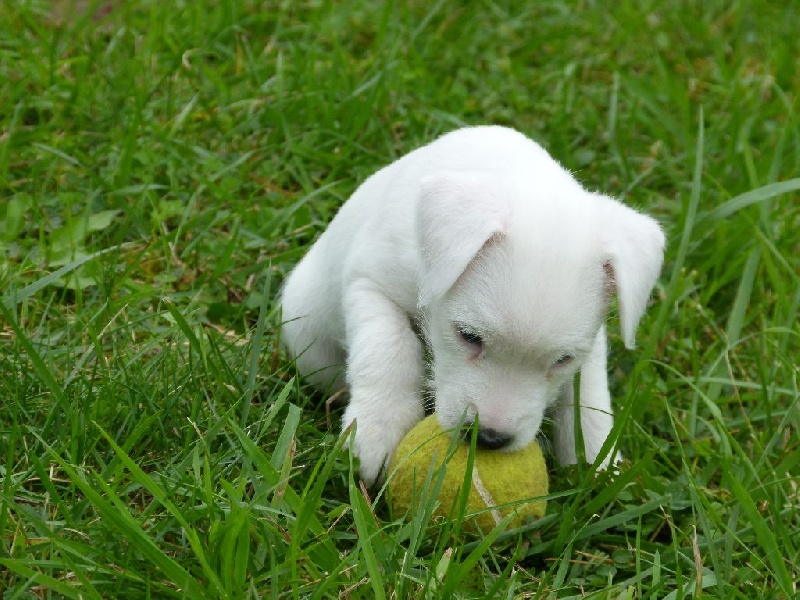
(164, 164)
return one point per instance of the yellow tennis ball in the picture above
(498, 478)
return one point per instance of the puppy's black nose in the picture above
(489, 439)
(492, 440)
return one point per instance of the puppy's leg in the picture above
(564, 426)
(319, 358)
(384, 372)
(595, 409)
(309, 329)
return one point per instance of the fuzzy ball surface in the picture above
(498, 478)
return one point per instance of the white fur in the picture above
(483, 230)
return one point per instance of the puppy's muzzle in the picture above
(488, 439)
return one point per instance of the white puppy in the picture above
(484, 248)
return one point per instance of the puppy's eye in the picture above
(564, 359)
(471, 338)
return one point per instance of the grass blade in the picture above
(772, 553)
(162, 497)
(32, 289)
(117, 515)
(737, 203)
(367, 532)
(23, 567)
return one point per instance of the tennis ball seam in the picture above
(486, 496)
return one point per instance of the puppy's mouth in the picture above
(485, 437)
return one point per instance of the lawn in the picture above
(163, 165)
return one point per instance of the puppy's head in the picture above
(516, 283)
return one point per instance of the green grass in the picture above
(162, 167)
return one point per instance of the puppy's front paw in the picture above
(375, 441)
(373, 461)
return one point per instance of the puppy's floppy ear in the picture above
(458, 213)
(633, 249)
